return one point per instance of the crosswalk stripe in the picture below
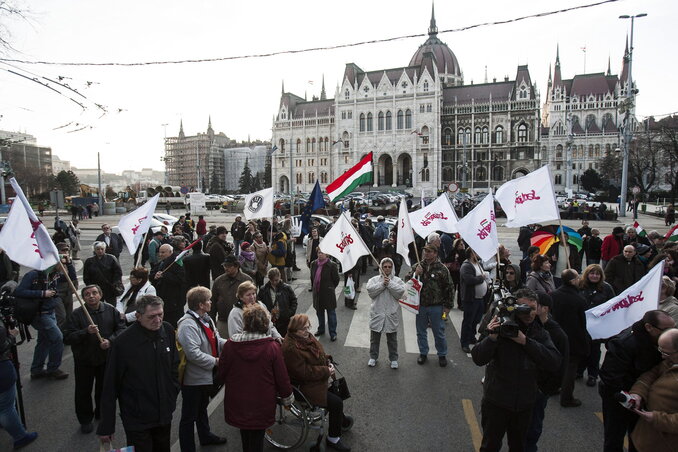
(359, 332)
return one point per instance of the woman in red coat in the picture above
(311, 369)
(252, 368)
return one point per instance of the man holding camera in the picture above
(513, 362)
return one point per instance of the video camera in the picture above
(506, 308)
(7, 312)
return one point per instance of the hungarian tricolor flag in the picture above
(347, 182)
(639, 229)
(672, 235)
(179, 260)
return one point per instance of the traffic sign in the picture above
(453, 187)
(183, 189)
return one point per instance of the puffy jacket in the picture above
(85, 346)
(142, 374)
(385, 309)
(512, 369)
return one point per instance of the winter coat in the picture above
(549, 382)
(224, 294)
(540, 283)
(140, 359)
(197, 268)
(385, 311)
(238, 229)
(235, 321)
(468, 281)
(35, 284)
(512, 369)
(306, 369)
(380, 234)
(128, 306)
(594, 246)
(622, 273)
(524, 234)
(104, 271)
(569, 309)
(261, 253)
(253, 372)
(115, 246)
(279, 252)
(659, 389)
(172, 286)
(85, 346)
(200, 362)
(629, 354)
(595, 297)
(329, 280)
(285, 302)
(612, 246)
(437, 286)
(218, 250)
(248, 263)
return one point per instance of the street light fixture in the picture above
(630, 96)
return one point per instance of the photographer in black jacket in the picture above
(513, 364)
(88, 353)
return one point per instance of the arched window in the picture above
(425, 85)
(467, 136)
(311, 178)
(424, 135)
(447, 136)
(499, 134)
(425, 175)
(608, 148)
(323, 178)
(408, 119)
(476, 137)
(300, 178)
(590, 121)
(558, 179)
(559, 151)
(559, 130)
(481, 173)
(347, 95)
(362, 122)
(369, 122)
(498, 173)
(281, 144)
(448, 174)
(345, 139)
(590, 151)
(327, 144)
(522, 133)
(298, 144)
(399, 120)
(597, 151)
(308, 145)
(380, 121)
(389, 120)
(485, 135)
(460, 136)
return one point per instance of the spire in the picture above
(432, 28)
(609, 72)
(550, 79)
(557, 79)
(626, 49)
(485, 73)
(323, 96)
(283, 87)
(181, 129)
(558, 54)
(624, 76)
(210, 131)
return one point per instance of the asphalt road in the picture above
(413, 408)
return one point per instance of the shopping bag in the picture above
(108, 447)
(410, 300)
(349, 289)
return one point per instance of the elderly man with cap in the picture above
(238, 229)
(225, 292)
(218, 248)
(169, 280)
(436, 297)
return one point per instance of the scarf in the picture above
(316, 281)
(311, 344)
(246, 256)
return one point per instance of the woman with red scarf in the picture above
(324, 279)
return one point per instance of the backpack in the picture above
(27, 309)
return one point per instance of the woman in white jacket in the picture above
(137, 287)
(385, 290)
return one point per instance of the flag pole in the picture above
(141, 251)
(366, 247)
(498, 264)
(77, 295)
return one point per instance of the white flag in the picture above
(135, 224)
(24, 238)
(479, 229)
(622, 311)
(405, 234)
(259, 204)
(437, 216)
(344, 243)
(529, 199)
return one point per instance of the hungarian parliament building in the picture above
(428, 129)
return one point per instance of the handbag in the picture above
(339, 387)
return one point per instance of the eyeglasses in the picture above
(665, 353)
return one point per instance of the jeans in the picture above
(434, 316)
(473, 313)
(154, 439)
(9, 417)
(236, 246)
(85, 377)
(50, 343)
(537, 422)
(391, 342)
(194, 411)
(331, 321)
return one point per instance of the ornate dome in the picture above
(443, 55)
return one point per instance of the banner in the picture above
(135, 224)
(405, 234)
(344, 243)
(259, 204)
(529, 199)
(479, 229)
(437, 216)
(24, 238)
(622, 311)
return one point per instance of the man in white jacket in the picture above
(202, 344)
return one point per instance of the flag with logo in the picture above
(259, 204)
(437, 216)
(639, 229)
(351, 179)
(135, 224)
(529, 199)
(344, 243)
(405, 234)
(622, 311)
(479, 229)
(24, 238)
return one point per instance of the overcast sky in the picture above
(243, 95)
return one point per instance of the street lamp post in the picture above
(628, 117)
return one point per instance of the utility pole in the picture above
(101, 201)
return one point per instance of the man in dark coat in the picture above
(89, 354)
(524, 234)
(324, 298)
(104, 270)
(629, 354)
(280, 300)
(169, 280)
(238, 229)
(143, 356)
(224, 292)
(513, 363)
(218, 248)
(113, 241)
(569, 310)
(624, 270)
(197, 267)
